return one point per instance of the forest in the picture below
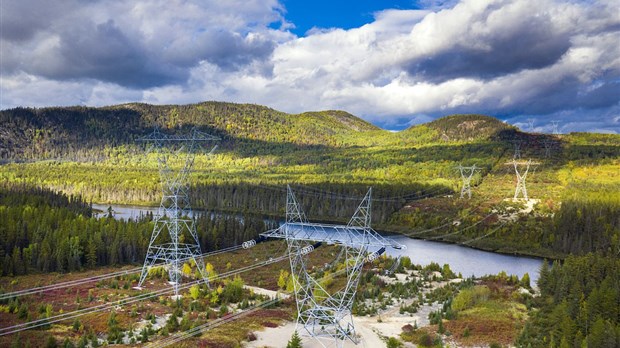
(55, 162)
(579, 304)
(331, 158)
(45, 231)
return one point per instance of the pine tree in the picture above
(543, 278)
(295, 341)
(91, 254)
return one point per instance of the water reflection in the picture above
(461, 259)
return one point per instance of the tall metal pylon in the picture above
(173, 221)
(517, 146)
(530, 123)
(547, 144)
(521, 176)
(554, 125)
(466, 174)
(321, 314)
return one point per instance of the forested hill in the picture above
(468, 127)
(56, 131)
(331, 158)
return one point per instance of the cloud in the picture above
(21, 20)
(134, 44)
(510, 58)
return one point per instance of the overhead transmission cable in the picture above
(105, 276)
(102, 307)
(210, 325)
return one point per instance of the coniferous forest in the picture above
(56, 162)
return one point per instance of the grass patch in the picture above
(486, 315)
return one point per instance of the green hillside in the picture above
(329, 155)
(457, 128)
(58, 132)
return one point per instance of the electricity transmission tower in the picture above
(466, 174)
(521, 176)
(555, 124)
(323, 315)
(530, 124)
(517, 146)
(173, 221)
(548, 144)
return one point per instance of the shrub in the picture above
(408, 328)
(426, 340)
(393, 343)
(467, 298)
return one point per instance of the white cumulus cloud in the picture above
(511, 58)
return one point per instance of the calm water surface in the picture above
(466, 260)
(461, 259)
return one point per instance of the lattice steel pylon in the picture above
(323, 315)
(521, 176)
(547, 144)
(554, 125)
(517, 146)
(173, 221)
(530, 123)
(466, 174)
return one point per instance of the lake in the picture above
(462, 259)
(466, 260)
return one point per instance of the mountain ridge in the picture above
(78, 126)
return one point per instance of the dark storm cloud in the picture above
(504, 57)
(533, 44)
(131, 44)
(22, 19)
(105, 53)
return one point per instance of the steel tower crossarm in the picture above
(174, 219)
(321, 314)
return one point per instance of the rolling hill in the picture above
(93, 153)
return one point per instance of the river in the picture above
(468, 261)
(462, 259)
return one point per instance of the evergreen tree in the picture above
(295, 341)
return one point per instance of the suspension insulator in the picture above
(307, 249)
(248, 244)
(375, 255)
(252, 242)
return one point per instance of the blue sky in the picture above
(393, 63)
(306, 15)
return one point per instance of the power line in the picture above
(210, 325)
(82, 281)
(105, 306)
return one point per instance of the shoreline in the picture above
(549, 255)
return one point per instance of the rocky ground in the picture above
(372, 331)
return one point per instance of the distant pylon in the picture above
(517, 146)
(547, 143)
(466, 174)
(530, 124)
(521, 176)
(173, 220)
(554, 125)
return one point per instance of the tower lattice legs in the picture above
(173, 221)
